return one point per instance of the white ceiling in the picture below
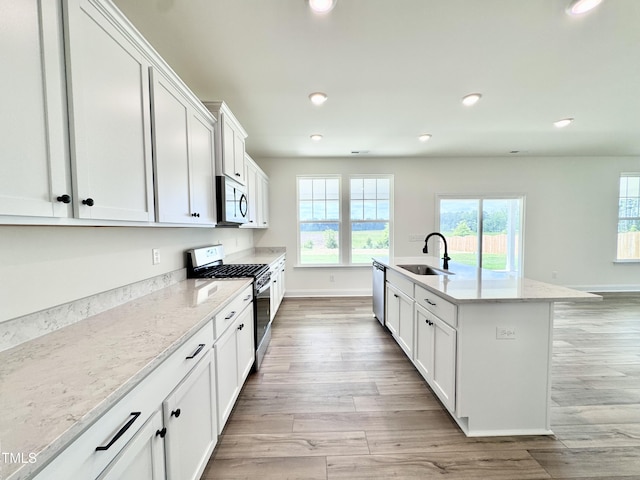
(394, 69)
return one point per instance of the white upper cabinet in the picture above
(34, 170)
(183, 156)
(230, 139)
(109, 115)
(257, 194)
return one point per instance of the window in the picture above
(323, 202)
(484, 232)
(629, 217)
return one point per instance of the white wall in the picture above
(42, 267)
(570, 213)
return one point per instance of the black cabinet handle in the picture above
(230, 315)
(195, 215)
(429, 302)
(88, 202)
(161, 433)
(395, 295)
(64, 198)
(134, 416)
(176, 413)
(198, 350)
(237, 174)
(428, 322)
(241, 326)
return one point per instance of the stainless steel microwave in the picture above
(232, 205)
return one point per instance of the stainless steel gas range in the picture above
(207, 262)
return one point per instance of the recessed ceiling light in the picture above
(318, 98)
(563, 123)
(578, 7)
(471, 99)
(322, 6)
(316, 137)
(424, 137)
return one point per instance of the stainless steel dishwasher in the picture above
(379, 277)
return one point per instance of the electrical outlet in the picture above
(332, 278)
(155, 255)
(505, 333)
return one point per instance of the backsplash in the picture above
(21, 329)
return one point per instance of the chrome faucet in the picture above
(446, 257)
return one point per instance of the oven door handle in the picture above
(265, 287)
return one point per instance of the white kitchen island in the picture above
(481, 339)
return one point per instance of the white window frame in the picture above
(483, 197)
(344, 222)
(618, 259)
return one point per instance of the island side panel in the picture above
(503, 370)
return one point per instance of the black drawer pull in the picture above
(241, 326)
(429, 302)
(199, 349)
(230, 315)
(175, 413)
(161, 433)
(134, 416)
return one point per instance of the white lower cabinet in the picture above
(132, 440)
(235, 354)
(277, 285)
(190, 421)
(399, 318)
(435, 355)
(142, 457)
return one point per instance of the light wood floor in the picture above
(336, 398)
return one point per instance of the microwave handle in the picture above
(243, 201)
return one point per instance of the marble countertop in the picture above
(472, 285)
(57, 385)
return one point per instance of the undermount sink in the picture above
(424, 270)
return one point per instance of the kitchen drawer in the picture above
(401, 282)
(180, 363)
(125, 418)
(437, 305)
(100, 444)
(228, 314)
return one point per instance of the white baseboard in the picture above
(362, 292)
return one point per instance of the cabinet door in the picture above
(423, 354)
(190, 419)
(405, 325)
(142, 457)
(444, 362)
(227, 384)
(170, 151)
(251, 177)
(238, 157)
(109, 115)
(246, 347)
(263, 201)
(34, 170)
(201, 168)
(392, 320)
(228, 150)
